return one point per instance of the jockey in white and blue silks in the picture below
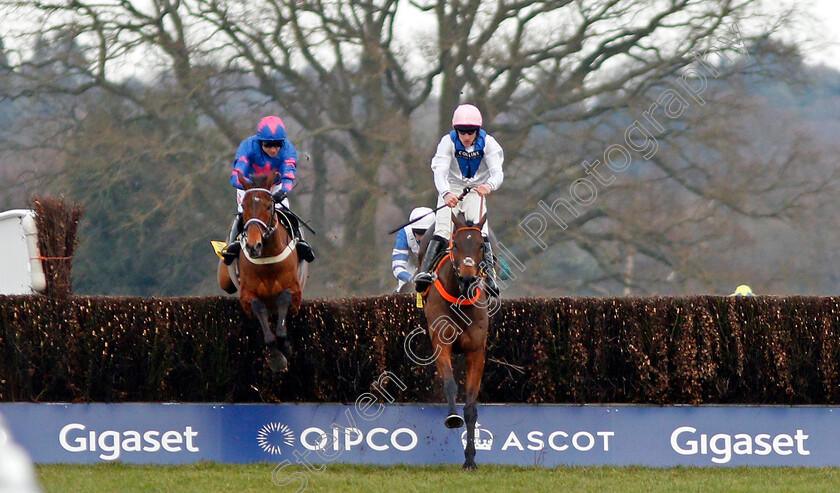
(267, 150)
(465, 157)
(407, 246)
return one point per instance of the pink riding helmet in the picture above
(467, 115)
(271, 128)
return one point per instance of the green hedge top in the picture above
(703, 349)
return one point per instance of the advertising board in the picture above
(309, 434)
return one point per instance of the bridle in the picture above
(466, 261)
(268, 229)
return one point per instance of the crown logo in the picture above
(483, 438)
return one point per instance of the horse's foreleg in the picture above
(450, 389)
(260, 312)
(475, 369)
(282, 351)
(276, 360)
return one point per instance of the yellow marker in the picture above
(218, 246)
(420, 300)
(742, 290)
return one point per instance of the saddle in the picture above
(289, 220)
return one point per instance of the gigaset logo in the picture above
(112, 442)
(721, 446)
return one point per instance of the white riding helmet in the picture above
(422, 224)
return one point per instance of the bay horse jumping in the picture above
(456, 314)
(270, 275)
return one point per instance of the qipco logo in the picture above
(377, 439)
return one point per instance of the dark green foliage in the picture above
(152, 203)
(704, 349)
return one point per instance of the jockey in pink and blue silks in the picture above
(267, 150)
(465, 157)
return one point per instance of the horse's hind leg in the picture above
(280, 352)
(475, 369)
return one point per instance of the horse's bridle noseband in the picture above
(467, 261)
(268, 229)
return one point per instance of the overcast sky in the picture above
(823, 31)
(828, 13)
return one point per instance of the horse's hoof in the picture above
(276, 361)
(454, 421)
(469, 466)
(286, 349)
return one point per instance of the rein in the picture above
(439, 285)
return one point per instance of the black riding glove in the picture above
(279, 195)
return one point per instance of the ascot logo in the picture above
(272, 436)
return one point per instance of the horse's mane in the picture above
(262, 179)
(467, 222)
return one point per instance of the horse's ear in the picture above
(483, 220)
(246, 184)
(457, 222)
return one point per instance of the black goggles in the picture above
(272, 143)
(466, 130)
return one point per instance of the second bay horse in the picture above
(456, 314)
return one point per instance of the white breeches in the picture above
(472, 206)
(240, 194)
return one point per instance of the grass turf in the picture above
(338, 478)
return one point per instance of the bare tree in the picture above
(558, 81)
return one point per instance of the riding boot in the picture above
(231, 251)
(488, 266)
(424, 278)
(304, 249)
